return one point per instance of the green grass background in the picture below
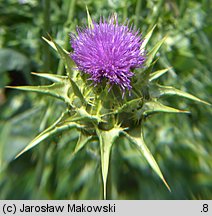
(181, 144)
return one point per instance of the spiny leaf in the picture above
(82, 114)
(147, 38)
(41, 136)
(155, 106)
(58, 90)
(52, 44)
(143, 76)
(83, 139)
(68, 62)
(130, 105)
(136, 137)
(127, 107)
(58, 126)
(106, 139)
(152, 53)
(68, 65)
(77, 92)
(52, 77)
(160, 90)
(90, 22)
(157, 74)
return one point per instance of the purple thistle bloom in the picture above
(108, 50)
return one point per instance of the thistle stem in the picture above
(46, 29)
(137, 12)
(67, 25)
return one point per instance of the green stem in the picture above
(125, 12)
(137, 12)
(67, 26)
(46, 29)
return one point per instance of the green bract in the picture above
(104, 116)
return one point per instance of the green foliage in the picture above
(78, 134)
(137, 138)
(106, 139)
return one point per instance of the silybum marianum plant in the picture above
(109, 89)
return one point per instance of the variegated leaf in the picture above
(59, 125)
(157, 74)
(159, 90)
(151, 107)
(83, 139)
(59, 89)
(106, 139)
(147, 38)
(152, 53)
(136, 137)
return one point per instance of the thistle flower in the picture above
(108, 50)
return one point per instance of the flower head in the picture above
(108, 50)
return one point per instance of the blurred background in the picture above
(181, 144)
